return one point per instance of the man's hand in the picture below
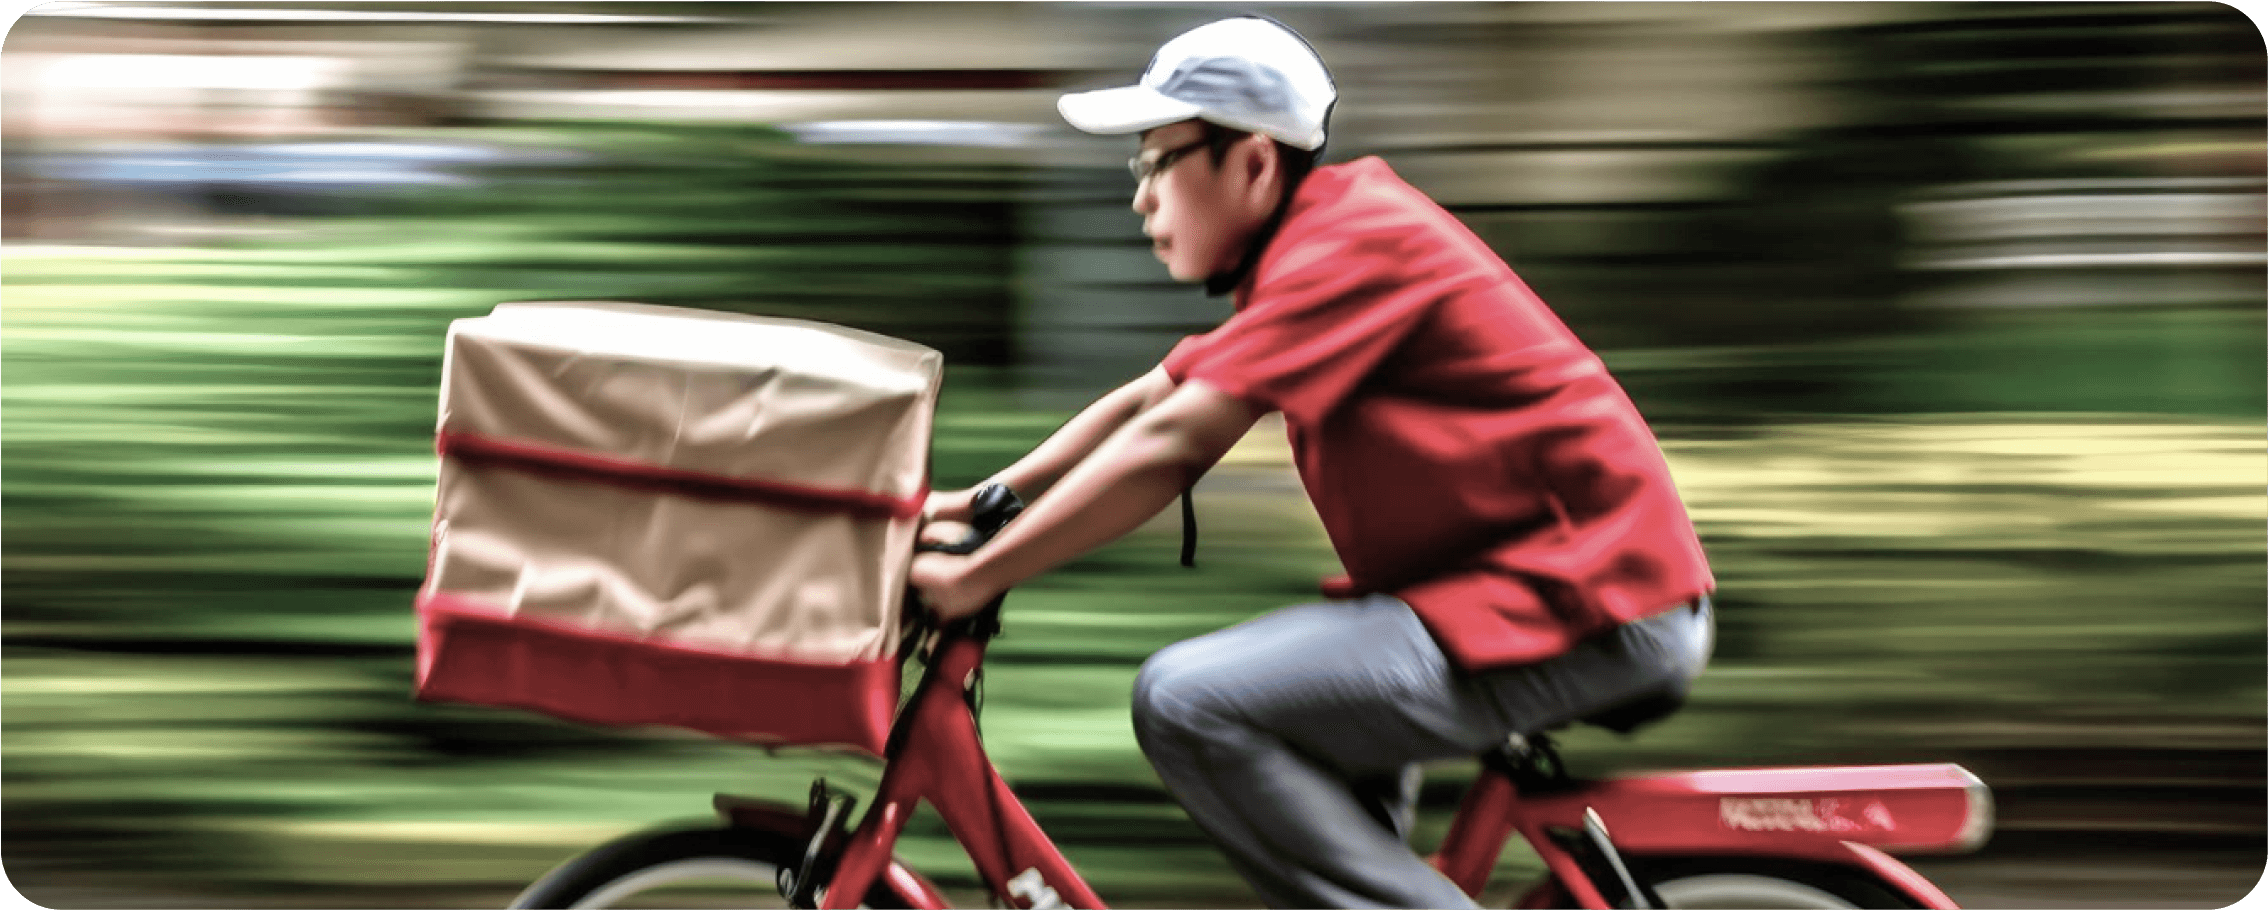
(1136, 473)
(945, 533)
(955, 506)
(942, 581)
(945, 516)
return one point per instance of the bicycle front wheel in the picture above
(682, 868)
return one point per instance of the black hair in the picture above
(1297, 162)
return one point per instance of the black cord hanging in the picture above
(1188, 529)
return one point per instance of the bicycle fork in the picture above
(828, 810)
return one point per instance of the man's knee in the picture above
(1173, 693)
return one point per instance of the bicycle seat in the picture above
(1630, 714)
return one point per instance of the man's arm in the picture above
(1131, 476)
(1070, 444)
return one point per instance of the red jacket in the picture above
(1464, 450)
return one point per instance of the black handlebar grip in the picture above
(993, 506)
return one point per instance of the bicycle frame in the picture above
(1840, 816)
(934, 753)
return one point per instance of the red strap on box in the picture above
(582, 466)
(480, 653)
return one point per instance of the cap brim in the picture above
(1118, 111)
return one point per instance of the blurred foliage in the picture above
(2197, 361)
(219, 481)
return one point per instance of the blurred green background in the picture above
(1949, 318)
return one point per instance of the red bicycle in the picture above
(1757, 837)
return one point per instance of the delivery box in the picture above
(651, 515)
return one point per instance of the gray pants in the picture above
(1294, 739)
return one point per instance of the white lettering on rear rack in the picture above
(1825, 815)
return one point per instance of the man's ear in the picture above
(1263, 169)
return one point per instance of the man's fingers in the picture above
(945, 532)
(955, 505)
(929, 577)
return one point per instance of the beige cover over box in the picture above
(774, 401)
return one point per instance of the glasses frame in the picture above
(1144, 170)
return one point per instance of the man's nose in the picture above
(1145, 199)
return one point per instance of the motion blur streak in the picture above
(1950, 317)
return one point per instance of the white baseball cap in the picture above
(1247, 73)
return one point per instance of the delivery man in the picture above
(1516, 556)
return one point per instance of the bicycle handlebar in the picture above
(993, 506)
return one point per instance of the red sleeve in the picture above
(1318, 321)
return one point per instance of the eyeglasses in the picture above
(1146, 169)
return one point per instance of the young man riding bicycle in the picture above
(1516, 556)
